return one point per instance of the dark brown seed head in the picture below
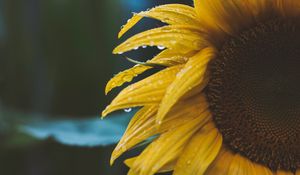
(254, 93)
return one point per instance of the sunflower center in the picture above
(254, 93)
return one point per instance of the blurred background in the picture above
(55, 59)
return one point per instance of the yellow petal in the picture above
(141, 116)
(260, 9)
(167, 147)
(174, 14)
(143, 125)
(129, 162)
(221, 18)
(166, 168)
(166, 57)
(171, 57)
(262, 170)
(130, 23)
(125, 76)
(170, 14)
(220, 166)
(193, 74)
(201, 150)
(241, 166)
(136, 131)
(298, 172)
(181, 38)
(227, 163)
(145, 92)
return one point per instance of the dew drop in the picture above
(120, 53)
(128, 110)
(160, 47)
(136, 48)
(144, 47)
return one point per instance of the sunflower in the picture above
(227, 99)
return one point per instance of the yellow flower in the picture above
(227, 101)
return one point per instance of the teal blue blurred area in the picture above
(89, 131)
(55, 59)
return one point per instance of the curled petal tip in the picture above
(115, 51)
(112, 160)
(104, 114)
(119, 35)
(107, 90)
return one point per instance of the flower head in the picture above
(227, 101)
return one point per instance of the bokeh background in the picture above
(55, 59)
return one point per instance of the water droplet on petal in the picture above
(128, 110)
(144, 47)
(161, 47)
(136, 48)
(120, 53)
